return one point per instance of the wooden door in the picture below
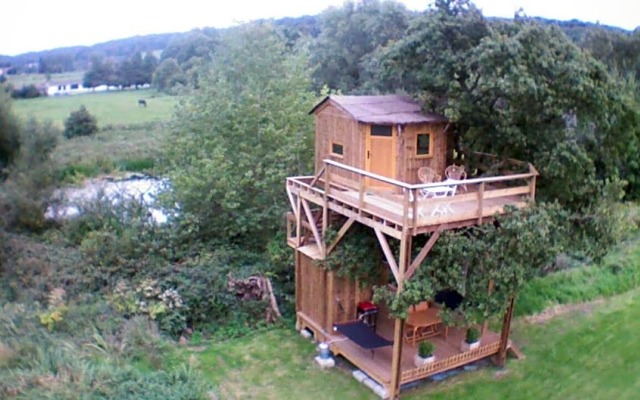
(381, 154)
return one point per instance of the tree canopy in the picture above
(522, 90)
(241, 134)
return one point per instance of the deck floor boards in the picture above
(378, 365)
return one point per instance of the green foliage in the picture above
(80, 123)
(95, 359)
(508, 253)
(239, 136)
(9, 132)
(357, 256)
(521, 90)
(148, 298)
(349, 36)
(472, 335)
(25, 195)
(426, 349)
(169, 77)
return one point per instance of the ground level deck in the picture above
(377, 363)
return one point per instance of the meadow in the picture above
(34, 79)
(110, 108)
(129, 139)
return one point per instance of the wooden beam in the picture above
(292, 201)
(396, 360)
(504, 334)
(343, 230)
(298, 213)
(424, 252)
(388, 254)
(314, 228)
(480, 202)
(315, 178)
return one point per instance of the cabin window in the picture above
(423, 144)
(337, 149)
(381, 130)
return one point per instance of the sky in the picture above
(33, 25)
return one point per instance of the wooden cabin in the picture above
(368, 152)
(385, 135)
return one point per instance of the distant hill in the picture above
(77, 58)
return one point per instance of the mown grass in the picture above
(110, 108)
(276, 364)
(587, 353)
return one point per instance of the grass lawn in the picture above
(110, 108)
(276, 364)
(588, 353)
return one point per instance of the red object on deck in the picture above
(368, 313)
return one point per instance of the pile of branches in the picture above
(256, 288)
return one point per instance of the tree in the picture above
(521, 90)
(168, 75)
(80, 123)
(349, 36)
(239, 136)
(101, 72)
(9, 132)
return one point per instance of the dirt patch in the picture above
(563, 309)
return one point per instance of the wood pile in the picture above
(256, 288)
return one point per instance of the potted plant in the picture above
(472, 340)
(426, 354)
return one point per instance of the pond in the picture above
(68, 201)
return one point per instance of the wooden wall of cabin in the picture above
(409, 161)
(335, 126)
(311, 289)
(324, 297)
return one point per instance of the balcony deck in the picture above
(394, 206)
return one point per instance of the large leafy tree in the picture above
(522, 90)
(240, 135)
(349, 37)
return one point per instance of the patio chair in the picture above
(428, 175)
(456, 173)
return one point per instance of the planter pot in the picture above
(464, 346)
(419, 361)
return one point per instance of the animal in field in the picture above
(142, 103)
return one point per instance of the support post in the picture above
(399, 323)
(504, 335)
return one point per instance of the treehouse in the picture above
(384, 164)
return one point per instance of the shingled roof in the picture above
(383, 110)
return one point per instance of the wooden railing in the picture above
(362, 194)
(449, 363)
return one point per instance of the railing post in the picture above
(414, 210)
(480, 202)
(532, 188)
(360, 194)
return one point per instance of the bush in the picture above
(472, 335)
(80, 123)
(26, 92)
(426, 349)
